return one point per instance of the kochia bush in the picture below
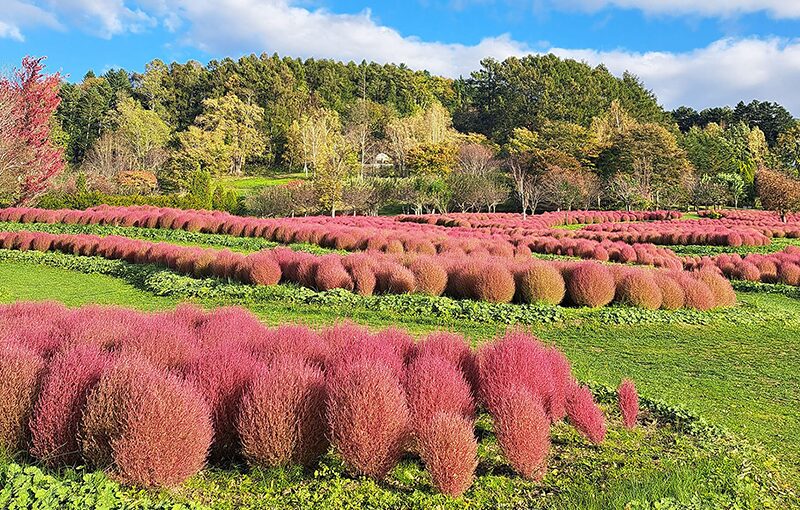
(448, 447)
(628, 403)
(590, 284)
(21, 371)
(367, 418)
(281, 419)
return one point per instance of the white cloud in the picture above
(17, 15)
(724, 72)
(709, 8)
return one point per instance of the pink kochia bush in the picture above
(628, 403)
(226, 387)
(487, 274)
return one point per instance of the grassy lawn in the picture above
(247, 185)
(744, 376)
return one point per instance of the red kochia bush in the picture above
(523, 431)
(590, 284)
(628, 403)
(149, 427)
(672, 295)
(720, 287)
(584, 414)
(433, 385)
(454, 349)
(431, 278)
(262, 269)
(221, 375)
(54, 426)
(331, 274)
(640, 289)
(540, 283)
(697, 293)
(367, 418)
(282, 416)
(448, 447)
(21, 370)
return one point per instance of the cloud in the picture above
(17, 15)
(708, 8)
(724, 72)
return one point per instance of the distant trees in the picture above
(28, 159)
(778, 192)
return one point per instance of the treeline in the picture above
(531, 133)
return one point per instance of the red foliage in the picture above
(54, 425)
(282, 415)
(33, 99)
(584, 414)
(262, 269)
(367, 418)
(672, 295)
(591, 284)
(720, 287)
(628, 403)
(221, 375)
(697, 294)
(433, 385)
(21, 371)
(523, 431)
(331, 274)
(454, 349)
(149, 427)
(448, 447)
(431, 278)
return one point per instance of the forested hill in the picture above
(519, 92)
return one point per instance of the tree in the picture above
(312, 137)
(30, 100)
(203, 150)
(364, 121)
(332, 173)
(778, 192)
(431, 159)
(238, 122)
(788, 148)
(145, 133)
(771, 118)
(686, 118)
(650, 154)
(569, 138)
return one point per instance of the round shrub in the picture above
(540, 283)
(584, 414)
(149, 427)
(431, 278)
(331, 274)
(433, 385)
(454, 349)
(57, 415)
(697, 294)
(484, 281)
(221, 375)
(590, 284)
(367, 418)
(720, 287)
(448, 447)
(789, 274)
(281, 418)
(261, 269)
(639, 288)
(362, 274)
(523, 432)
(672, 296)
(21, 371)
(746, 271)
(392, 278)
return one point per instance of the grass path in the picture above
(744, 377)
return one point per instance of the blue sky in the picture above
(695, 52)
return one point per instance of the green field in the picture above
(743, 376)
(247, 185)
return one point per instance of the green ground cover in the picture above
(248, 185)
(740, 374)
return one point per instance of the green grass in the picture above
(245, 186)
(743, 376)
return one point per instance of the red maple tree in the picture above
(28, 159)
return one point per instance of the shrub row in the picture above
(493, 279)
(152, 397)
(781, 267)
(690, 232)
(541, 221)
